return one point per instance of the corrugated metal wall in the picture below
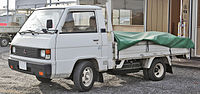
(157, 16)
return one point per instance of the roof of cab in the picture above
(87, 7)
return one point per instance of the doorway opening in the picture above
(179, 7)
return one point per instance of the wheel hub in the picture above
(87, 76)
(4, 42)
(158, 70)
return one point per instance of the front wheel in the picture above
(156, 72)
(83, 76)
(4, 42)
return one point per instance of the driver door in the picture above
(79, 39)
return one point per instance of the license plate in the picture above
(22, 65)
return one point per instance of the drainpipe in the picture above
(190, 25)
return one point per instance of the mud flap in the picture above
(169, 69)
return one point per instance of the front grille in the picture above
(27, 52)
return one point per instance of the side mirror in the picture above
(49, 24)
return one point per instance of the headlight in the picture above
(13, 49)
(46, 54)
(42, 53)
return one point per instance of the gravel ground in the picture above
(183, 81)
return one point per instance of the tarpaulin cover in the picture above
(128, 39)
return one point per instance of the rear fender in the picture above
(147, 63)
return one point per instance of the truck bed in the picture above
(9, 29)
(148, 49)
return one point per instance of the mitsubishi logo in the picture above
(25, 52)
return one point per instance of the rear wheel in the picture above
(83, 76)
(43, 80)
(4, 42)
(157, 70)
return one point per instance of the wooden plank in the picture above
(165, 15)
(160, 16)
(149, 14)
(154, 15)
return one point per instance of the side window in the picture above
(80, 22)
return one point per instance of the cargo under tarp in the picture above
(128, 39)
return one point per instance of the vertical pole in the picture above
(50, 2)
(190, 21)
(7, 10)
(78, 2)
(169, 15)
(196, 24)
(181, 17)
(145, 15)
(109, 17)
(190, 25)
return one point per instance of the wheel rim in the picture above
(4, 42)
(158, 70)
(87, 76)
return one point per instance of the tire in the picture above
(83, 76)
(157, 70)
(43, 80)
(4, 42)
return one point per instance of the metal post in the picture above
(50, 2)
(78, 2)
(145, 15)
(7, 10)
(169, 15)
(190, 25)
(181, 17)
(190, 21)
(109, 17)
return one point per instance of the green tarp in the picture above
(127, 39)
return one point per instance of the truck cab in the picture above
(54, 40)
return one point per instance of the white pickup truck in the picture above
(8, 32)
(72, 42)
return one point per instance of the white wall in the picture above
(194, 25)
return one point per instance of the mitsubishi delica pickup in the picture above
(73, 42)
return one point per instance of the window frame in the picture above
(74, 11)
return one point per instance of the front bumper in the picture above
(37, 69)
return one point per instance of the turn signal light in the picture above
(11, 66)
(48, 52)
(41, 73)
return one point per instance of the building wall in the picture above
(129, 28)
(157, 16)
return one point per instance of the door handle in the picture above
(95, 40)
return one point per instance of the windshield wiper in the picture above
(47, 31)
(28, 31)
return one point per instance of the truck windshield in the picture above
(37, 21)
